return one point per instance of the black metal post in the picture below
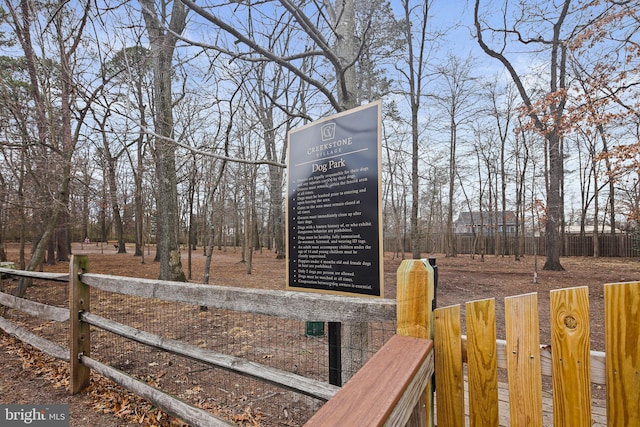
(432, 263)
(434, 305)
(335, 353)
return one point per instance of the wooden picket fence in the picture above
(568, 360)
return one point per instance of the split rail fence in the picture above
(395, 386)
(81, 320)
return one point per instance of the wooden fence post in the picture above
(79, 338)
(414, 299)
(354, 344)
(482, 363)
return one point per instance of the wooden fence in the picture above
(568, 360)
(573, 367)
(401, 393)
(617, 245)
(284, 304)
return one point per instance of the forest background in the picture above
(166, 121)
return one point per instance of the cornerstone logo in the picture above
(34, 415)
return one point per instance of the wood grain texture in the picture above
(597, 358)
(482, 363)
(79, 332)
(448, 358)
(410, 409)
(56, 277)
(622, 346)
(570, 343)
(42, 344)
(36, 309)
(415, 293)
(523, 360)
(288, 304)
(414, 298)
(375, 393)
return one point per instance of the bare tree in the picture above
(502, 109)
(397, 185)
(522, 158)
(412, 66)
(454, 96)
(550, 125)
(16, 155)
(330, 33)
(603, 59)
(3, 215)
(67, 25)
(163, 26)
(109, 162)
(131, 68)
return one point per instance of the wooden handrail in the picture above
(386, 390)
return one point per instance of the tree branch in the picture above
(262, 51)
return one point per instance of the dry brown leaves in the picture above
(110, 398)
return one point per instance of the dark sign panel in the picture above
(333, 204)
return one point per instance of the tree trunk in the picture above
(139, 174)
(113, 195)
(139, 210)
(276, 176)
(46, 134)
(415, 183)
(277, 214)
(3, 210)
(162, 43)
(596, 213)
(347, 51)
(551, 131)
(451, 245)
(554, 208)
(612, 204)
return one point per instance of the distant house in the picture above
(489, 222)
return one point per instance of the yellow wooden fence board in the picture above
(622, 347)
(414, 314)
(482, 363)
(523, 360)
(414, 296)
(447, 343)
(570, 354)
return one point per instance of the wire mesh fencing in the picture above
(294, 346)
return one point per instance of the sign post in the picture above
(334, 213)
